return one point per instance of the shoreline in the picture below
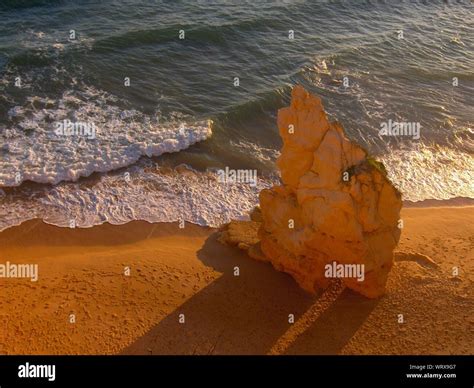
(187, 271)
(451, 202)
(426, 203)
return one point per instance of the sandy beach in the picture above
(182, 295)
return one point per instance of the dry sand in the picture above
(186, 271)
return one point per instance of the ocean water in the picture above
(158, 139)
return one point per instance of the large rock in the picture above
(336, 208)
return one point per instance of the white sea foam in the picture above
(263, 154)
(31, 150)
(139, 193)
(157, 194)
(425, 172)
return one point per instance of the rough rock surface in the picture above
(336, 205)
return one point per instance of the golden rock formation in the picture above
(336, 209)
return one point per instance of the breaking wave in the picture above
(31, 149)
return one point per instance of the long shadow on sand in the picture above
(334, 328)
(247, 314)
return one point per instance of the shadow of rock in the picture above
(242, 314)
(247, 314)
(335, 326)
